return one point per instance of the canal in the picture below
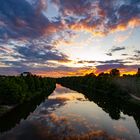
(69, 115)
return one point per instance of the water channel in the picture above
(69, 115)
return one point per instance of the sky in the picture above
(69, 37)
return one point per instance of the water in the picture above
(67, 114)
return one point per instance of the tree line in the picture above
(17, 89)
(108, 84)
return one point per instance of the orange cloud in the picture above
(132, 23)
(99, 29)
(50, 29)
(83, 71)
(62, 73)
(130, 71)
(96, 30)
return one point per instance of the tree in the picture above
(90, 75)
(115, 72)
(138, 72)
(102, 74)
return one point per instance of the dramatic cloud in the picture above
(32, 53)
(29, 56)
(47, 71)
(100, 17)
(19, 19)
(124, 69)
(26, 18)
(40, 35)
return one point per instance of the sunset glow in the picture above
(56, 38)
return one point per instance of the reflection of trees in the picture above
(115, 107)
(10, 119)
(109, 104)
(132, 110)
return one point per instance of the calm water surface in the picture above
(67, 114)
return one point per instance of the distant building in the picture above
(24, 74)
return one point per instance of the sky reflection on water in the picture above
(69, 115)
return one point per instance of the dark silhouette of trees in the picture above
(115, 72)
(102, 74)
(138, 72)
(90, 75)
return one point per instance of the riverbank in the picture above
(17, 90)
(4, 109)
(16, 113)
(118, 88)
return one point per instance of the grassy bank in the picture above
(131, 84)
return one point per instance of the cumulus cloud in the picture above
(100, 17)
(19, 19)
(27, 20)
(32, 53)
(30, 56)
